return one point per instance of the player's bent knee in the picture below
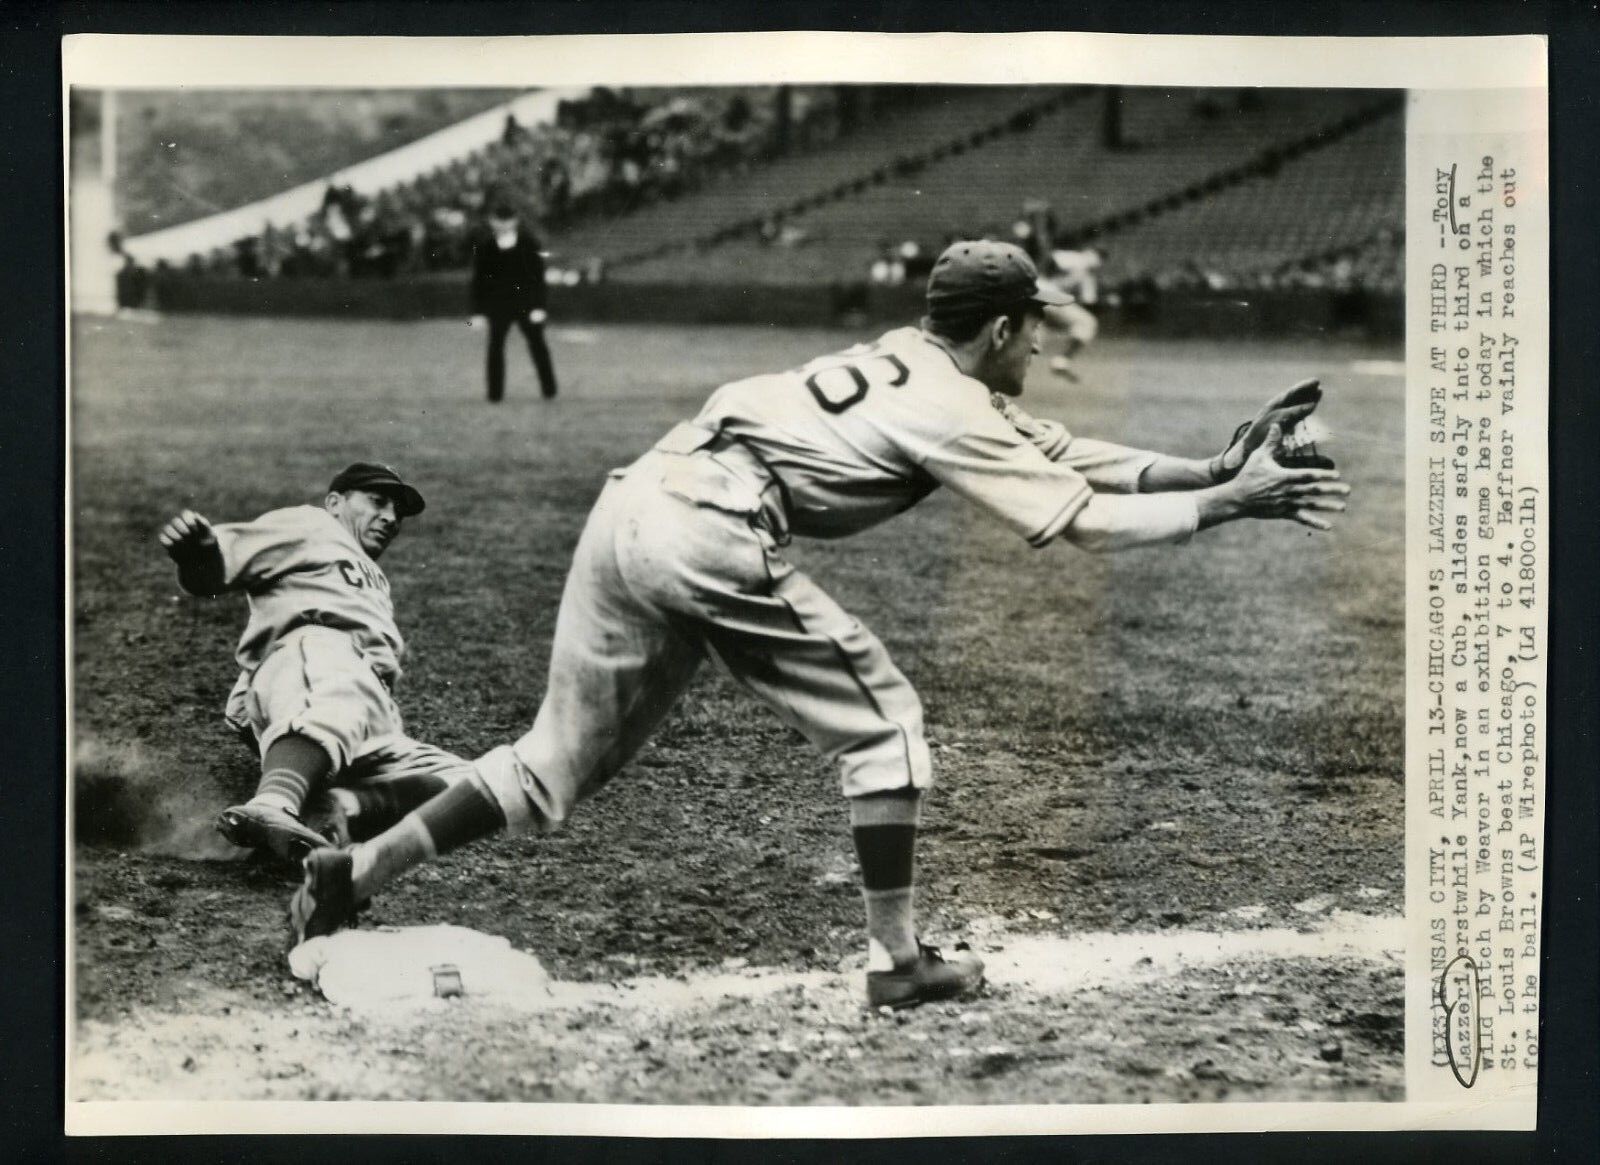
(526, 802)
(339, 750)
(898, 807)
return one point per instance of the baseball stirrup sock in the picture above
(292, 767)
(884, 829)
(379, 806)
(891, 928)
(888, 856)
(462, 813)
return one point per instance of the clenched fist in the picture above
(186, 536)
(190, 541)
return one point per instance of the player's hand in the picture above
(1265, 489)
(477, 322)
(1287, 409)
(187, 537)
(538, 316)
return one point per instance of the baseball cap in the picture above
(980, 279)
(380, 479)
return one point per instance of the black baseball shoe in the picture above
(267, 827)
(326, 901)
(929, 977)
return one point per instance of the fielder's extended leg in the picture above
(388, 779)
(461, 814)
(884, 829)
(337, 880)
(901, 971)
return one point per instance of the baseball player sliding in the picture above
(319, 661)
(683, 560)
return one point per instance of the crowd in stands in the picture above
(605, 154)
(612, 152)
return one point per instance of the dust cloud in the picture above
(124, 797)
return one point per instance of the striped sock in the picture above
(282, 789)
(884, 828)
(291, 768)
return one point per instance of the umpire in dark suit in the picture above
(508, 288)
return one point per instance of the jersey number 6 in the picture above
(839, 386)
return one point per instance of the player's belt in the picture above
(754, 480)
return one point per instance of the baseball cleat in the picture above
(267, 827)
(325, 901)
(928, 978)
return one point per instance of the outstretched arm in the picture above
(1166, 474)
(1124, 469)
(1261, 489)
(191, 543)
(1286, 409)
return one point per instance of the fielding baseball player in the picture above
(682, 560)
(319, 661)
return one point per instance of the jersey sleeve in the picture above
(255, 552)
(1108, 467)
(997, 468)
(1049, 437)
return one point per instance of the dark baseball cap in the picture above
(379, 479)
(980, 279)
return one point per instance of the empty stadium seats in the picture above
(1180, 187)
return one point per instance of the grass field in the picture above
(1204, 738)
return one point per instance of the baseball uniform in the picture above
(320, 655)
(681, 560)
(1077, 273)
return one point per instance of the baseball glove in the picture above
(1289, 410)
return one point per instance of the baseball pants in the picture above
(660, 583)
(499, 327)
(316, 684)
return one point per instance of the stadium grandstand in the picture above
(1182, 190)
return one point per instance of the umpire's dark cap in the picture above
(978, 280)
(379, 479)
